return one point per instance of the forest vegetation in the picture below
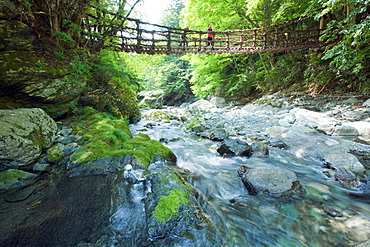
(342, 66)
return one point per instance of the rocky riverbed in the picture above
(115, 204)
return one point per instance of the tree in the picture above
(350, 55)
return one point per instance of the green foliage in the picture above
(81, 68)
(146, 67)
(113, 86)
(350, 55)
(221, 75)
(171, 16)
(175, 76)
(239, 76)
(63, 37)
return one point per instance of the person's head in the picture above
(209, 25)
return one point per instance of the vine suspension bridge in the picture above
(135, 36)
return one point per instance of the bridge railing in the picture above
(142, 37)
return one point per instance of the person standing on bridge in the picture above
(184, 38)
(210, 35)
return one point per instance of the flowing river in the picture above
(325, 215)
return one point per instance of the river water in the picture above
(325, 215)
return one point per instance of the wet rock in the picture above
(24, 133)
(12, 180)
(231, 147)
(351, 101)
(100, 166)
(71, 210)
(332, 211)
(40, 166)
(278, 144)
(64, 131)
(260, 149)
(67, 140)
(274, 182)
(196, 127)
(364, 244)
(216, 134)
(346, 177)
(354, 115)
(21, 195)
(346, 160)
(243, 170)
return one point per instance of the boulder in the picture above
(260, 149)
(366, 103)
(28, 81)
(233, 147)
(216, 134)
(346, 177)
(24, 134)
(15, 35)
(346, 160)
(13, 179)
(354, 130)
(151, 99)
(274, 182)
(315, 120)
(200, 107)
(218, 101)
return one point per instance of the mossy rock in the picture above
(25, 134)
(157, 115)
(106, 137)
(15, 179)
(119, 100)
(176, 194)
(55, 154)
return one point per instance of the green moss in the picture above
(10, 176)
(142, 136)
(54, 154)
(192, 124)
(169, 205)
(107, 137)
(158, 115)
(147, 150)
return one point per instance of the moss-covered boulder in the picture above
(24, 134)
(15, 35)
(15, 179)
(29, 76)
(117, 98)
(29, 81)
(151, 99)
(109, 146)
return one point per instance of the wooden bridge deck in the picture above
(135, 36)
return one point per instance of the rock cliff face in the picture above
(27, 79)
(24, 134)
